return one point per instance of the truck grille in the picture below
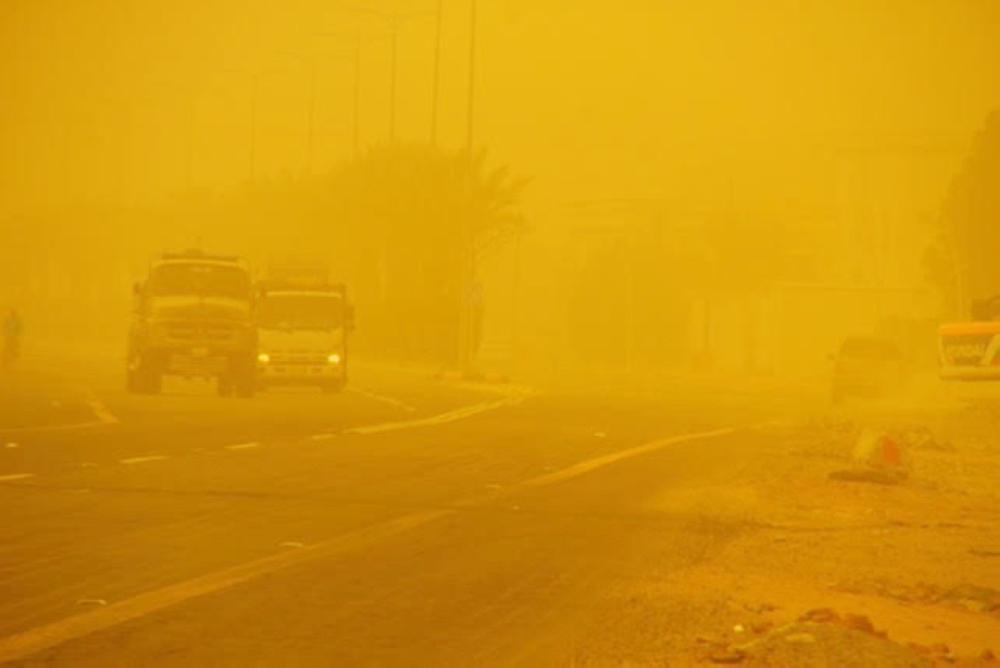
(207, 333)
(293, 359)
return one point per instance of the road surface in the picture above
(406, 521)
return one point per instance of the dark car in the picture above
(867, 367)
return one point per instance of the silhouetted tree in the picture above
(972, 215)
(417, 217)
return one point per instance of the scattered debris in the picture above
(99, 602)
(727, 655)
(820, 616)
(829, 644)
(876, 476)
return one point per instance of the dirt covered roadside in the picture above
(865, 537)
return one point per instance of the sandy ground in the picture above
(899, 564)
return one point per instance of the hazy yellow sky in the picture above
(105, 99)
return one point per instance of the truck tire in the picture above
(145, 377)
(333, 387)
(224, 386)
(242, 376)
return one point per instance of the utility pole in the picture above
(471, 103)
(311, 139)
(436, 87)
(466, 323)
(191, 129)
(394, 22)
(253, 126)
(357, 96)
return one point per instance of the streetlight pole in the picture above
(394, 24)
(357, 96)
(471, 103)
(311, 139)
(436, 87)
(253, 125)
(467, 316)
(392, 20)
(191, 129)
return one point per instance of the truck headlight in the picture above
(263, 358)
(334, 358)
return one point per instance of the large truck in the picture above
(193, 316)
(971, 350)
(303, 323)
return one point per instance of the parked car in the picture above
(867, 367)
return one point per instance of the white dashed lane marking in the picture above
(243, 446)
(16, 476)
(142, 460)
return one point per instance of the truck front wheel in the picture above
(145, 377)
(241, 378)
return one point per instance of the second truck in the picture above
(303, 323)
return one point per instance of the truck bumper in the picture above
(276, 373)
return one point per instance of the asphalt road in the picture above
(404, 522)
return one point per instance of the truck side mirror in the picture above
(137, 289)
(349, 318)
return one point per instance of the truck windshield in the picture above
(301, 312)
(209, 280)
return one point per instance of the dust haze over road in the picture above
(419, 332)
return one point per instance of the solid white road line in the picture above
(589, 465)
(142, 460)
(243, 446)
(53, 428)
(35, 640)
(381, 398)
(104, 417)
(443, 418)
(32, 641)
(16, 476)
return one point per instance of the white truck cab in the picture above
(302, 332)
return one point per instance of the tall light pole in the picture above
(392, 20)
(254, 90)
(471, 102)
(394, 28)
(191, 129)
(310, 62)
(357, 97)
(466, 317)
(311, 131)
(436, 86)
(355, 57)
